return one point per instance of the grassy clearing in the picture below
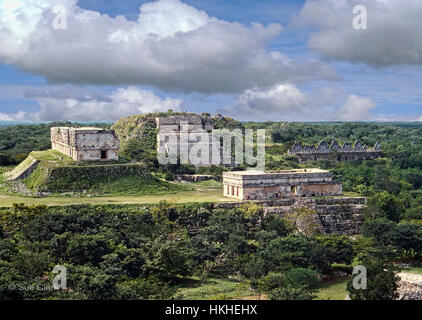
(52, 157)
(210, 191)
(209, 184)
(214, 289)
(333, 290)
(237, 289)
(105, 181)
(3, 170)
(209, 195)
(413, 269)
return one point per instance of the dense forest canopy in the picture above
(151, 251)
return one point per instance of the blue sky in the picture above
(319, 84)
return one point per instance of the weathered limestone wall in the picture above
(65, 149)
(265, 192)
(186, 135)
(341, 219)
(340, 215)
(85, 144)
(318, 190)
(102, 139)
(260, 185)
(94, 155)
(23, 171)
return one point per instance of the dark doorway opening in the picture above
(103, 154)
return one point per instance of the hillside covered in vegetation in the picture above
(58, 173)
(138, 134)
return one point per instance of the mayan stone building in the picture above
(258, 185)
(181, 133)
(334, 152)
(85, 144)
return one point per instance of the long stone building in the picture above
(334, 152)
(258, 185)
(85, 144)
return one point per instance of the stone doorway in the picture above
(103, 154)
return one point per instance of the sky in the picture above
(292, 60)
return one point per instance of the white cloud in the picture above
(284, 102)
(5, 117)
(172, 46)
(18, 116)
(289, 103)
(356, 109)
(279, 98)
(75, 104)
(392, 37)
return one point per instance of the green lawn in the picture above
(205, 191)
(413, 269)
(209, 184)
(53, 157)
(214, 289)
(333, 290)
(238, 289)
(6, 168)
(199, 194)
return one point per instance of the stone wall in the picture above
(319, 189)
(253, 185)
(85, 144)
(340, 215)
(172, 123)
(23, 170)
(183, 134)
(334, 152)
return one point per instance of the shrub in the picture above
(295, 284)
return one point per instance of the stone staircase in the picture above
(343, 216)
(23, 170)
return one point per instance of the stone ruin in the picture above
(85, 144)
(189, 131)
(287, 192)
(334, 215)
(257, 185)
(334, 152)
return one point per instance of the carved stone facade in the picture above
(257, 185)
(85, 144)
(183, 134)
(334, 152)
